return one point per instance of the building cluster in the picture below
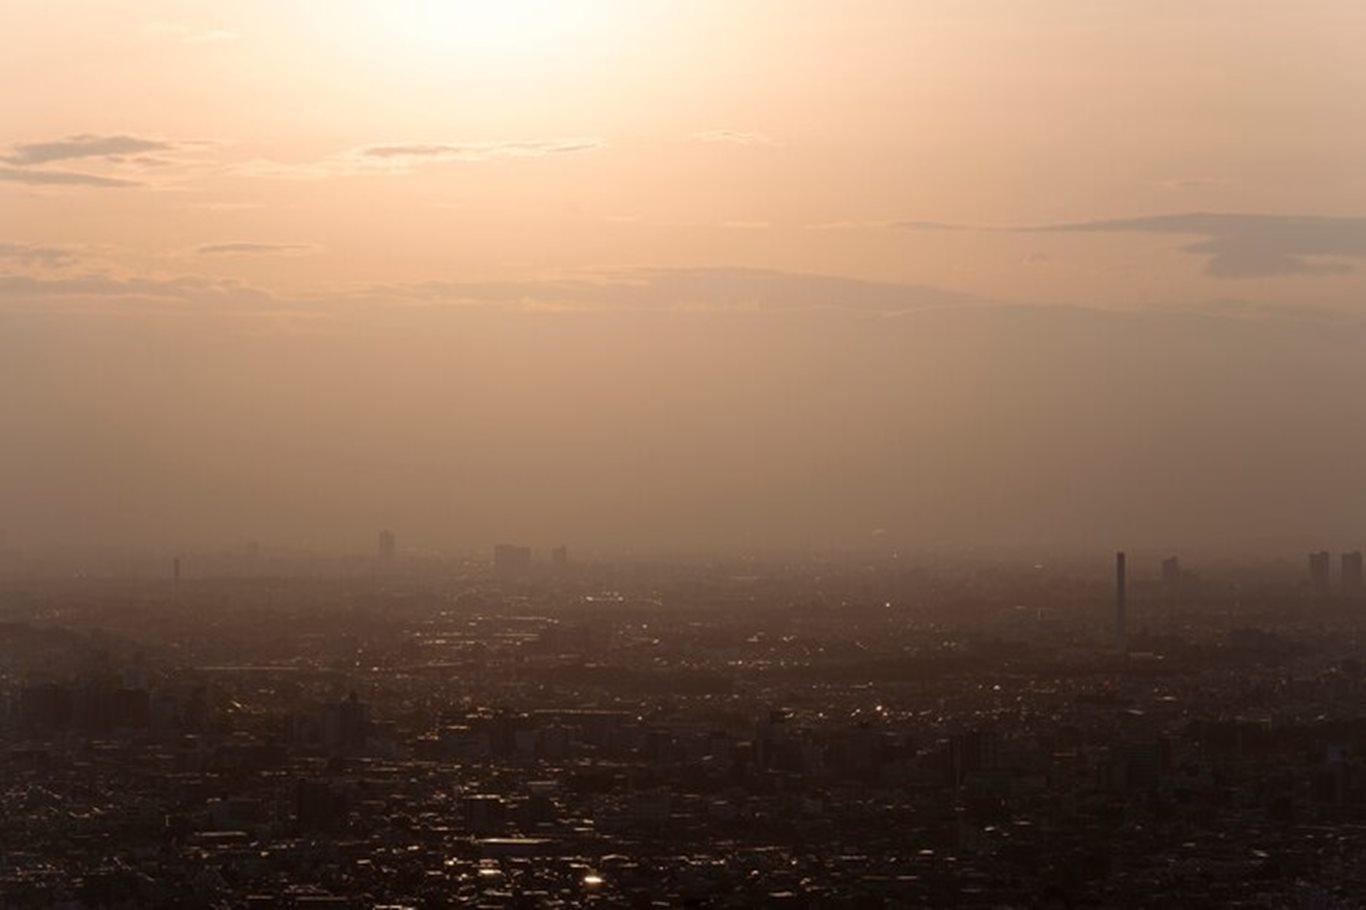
(729, 735)
(1351, 583)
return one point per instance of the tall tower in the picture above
(1121, 601)
(1352, 580)
(511, 561)
(1321, 572)
(388, 545)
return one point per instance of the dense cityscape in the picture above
(255, 729)
(699, 454)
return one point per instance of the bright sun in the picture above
(492, 30)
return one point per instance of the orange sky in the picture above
(767, 133)
(354, 168)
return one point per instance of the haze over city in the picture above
(672, 275)
(702, 454)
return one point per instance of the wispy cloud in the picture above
(105, 161)
(405, 157)
(53, 178)
(699, 289)
(254, 248)
(1297, 311)
(103, 289)
(1250, 245)
(185, 34)
(728, 225)
(736, 137)
(27, 154)
(55, 280)
(850, 226)
(35, 254)
(1237, 245)
(226, 206)
(1194, 183)
(415, 152)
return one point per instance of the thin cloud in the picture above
(1194, 183)
(254, 248)
(404, 157)
(850, 226)
(720, 291)
(226, 206)
(1298, 311)
(478, 151)
(188, 35)
(40, 177)
(700, 289)
(1251, 245)
(33, 254)
(736, 137)
(652, 223)
(1237, 245)
(84, 146)
(99, 287)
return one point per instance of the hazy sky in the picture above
(648, 273)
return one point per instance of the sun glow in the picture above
(508, 31)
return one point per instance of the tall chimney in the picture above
(1121, 600)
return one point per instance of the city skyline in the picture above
(713, 454)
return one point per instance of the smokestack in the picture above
(1121, 600)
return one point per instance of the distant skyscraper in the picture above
(388, 545)
(1171, 571)
(510, 560)
(1320, 572)
(1121, 600)
(1352, 582)
(559, 557)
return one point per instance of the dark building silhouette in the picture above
(1352, 580)
(1121, 600)
(1144, 763)
(559, 557)
(46, 707)
(97, 706)
(347, 724)
(339, 727)
(388, 545)
(973, 752)
(1171, 571)
(319, 806)
(1320, 572)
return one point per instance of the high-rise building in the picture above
(510, 560)
(388, 545)
(1352, 581)
(1320, 572)
(559, 557)
(973, 752)
(1121, 600)
(1171, 571)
